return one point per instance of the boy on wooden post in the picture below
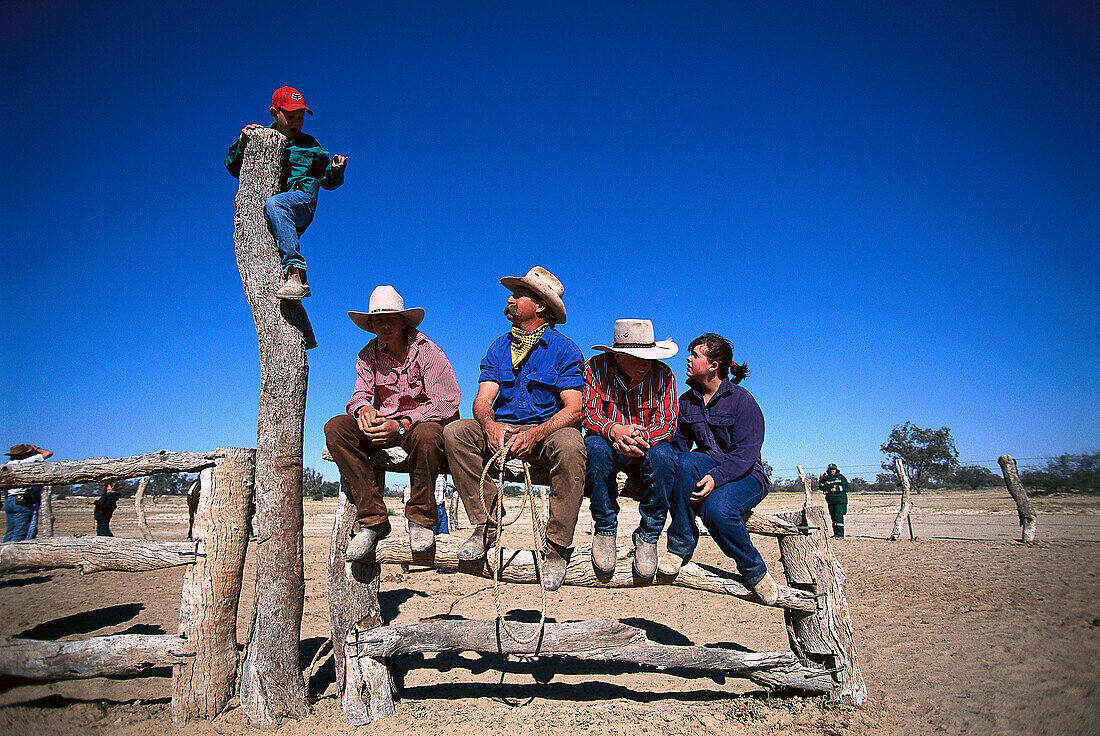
(306, 166)
(405, 393)
(835, 487)
(629, 413)
(530, 394)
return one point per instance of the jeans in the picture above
(18, 520)
(289, 214)
(655, 470)
(441, 526)
(723, 513)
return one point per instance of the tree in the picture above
(928, 454)
(1066, 473)
(311, 484)
(168, 484)
(974, 477)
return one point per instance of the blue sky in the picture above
(891, 209)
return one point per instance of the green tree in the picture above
(928, 454)
(1066, 473)
(168, 484)
(311, 484)
(974, 477)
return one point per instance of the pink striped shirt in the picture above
(422, 389)
(607, 399)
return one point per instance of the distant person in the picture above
(530, 394)
(405, 393)
(306, 166)
(629, 414)
(835, 487)
(20, 504)
(723, 478)
(105, 507)
(441, 487)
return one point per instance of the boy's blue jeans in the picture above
(723, 513)
(656, 470)
(18, 520)
(289, 214)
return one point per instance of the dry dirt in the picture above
(961, 631)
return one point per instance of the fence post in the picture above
(1023, 503)
(44, 525)
(906, 501)
(203, 684)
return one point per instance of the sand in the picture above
(961, 631)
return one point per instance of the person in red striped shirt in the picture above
(629, 414)
(405, 392)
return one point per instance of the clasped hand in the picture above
(628, 439)
(378, 429)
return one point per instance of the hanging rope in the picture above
(496, 516)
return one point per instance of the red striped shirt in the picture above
(422, 389)
(607, 400)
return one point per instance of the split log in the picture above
(94, 554)
(906, 500)
(824, 637)
(519, 567)
(203, 684)
(45, 515)
(594, 640)
(106, 656)
(98, 469)
(272, 687)
(353, 604)
(139, 509)
(1023, 504)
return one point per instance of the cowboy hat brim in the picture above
(365, 320)
(661, 350)
(553, 301)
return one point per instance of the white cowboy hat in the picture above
(635, 337)
(385, 300)
(543, 283)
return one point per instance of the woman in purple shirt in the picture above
(723, 478)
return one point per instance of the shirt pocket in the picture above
(542, 386)
(299, 161)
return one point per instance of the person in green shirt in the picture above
(306, 168)
(835, 487)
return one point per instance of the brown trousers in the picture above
(562, 454)
(351, 450)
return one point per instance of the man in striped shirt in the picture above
(405, 392)
(629, 413)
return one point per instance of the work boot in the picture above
(670, 565)
(362, 544)
(554, 561)
(604, 553)
(645, 557)
(295, 286)
(766, 590)
(421, 539)
(474, 547)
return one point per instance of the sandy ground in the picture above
(960, 631)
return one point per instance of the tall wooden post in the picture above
(906, 502)
(1023, 503)
(272, 687)
(203, 684)
(139, 508)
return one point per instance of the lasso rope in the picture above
(497, 517)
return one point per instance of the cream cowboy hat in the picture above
(543, 283)
(385, 300)
(635, 337)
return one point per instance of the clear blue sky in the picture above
(891, 209)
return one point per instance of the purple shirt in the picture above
(730, 429)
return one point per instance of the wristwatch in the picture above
(400, 428)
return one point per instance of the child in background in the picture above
(306, 167)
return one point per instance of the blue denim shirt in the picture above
(532, 394)
(730, 429)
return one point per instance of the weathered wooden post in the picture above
(139, 509)
(44, 525)
(1023, 503)
(906, 502)
(272, 687)
(364, 686)
(809, 501)
(824, 638)
(203, 684)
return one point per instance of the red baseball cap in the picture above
(288, 98)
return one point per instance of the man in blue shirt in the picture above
(529, 394)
